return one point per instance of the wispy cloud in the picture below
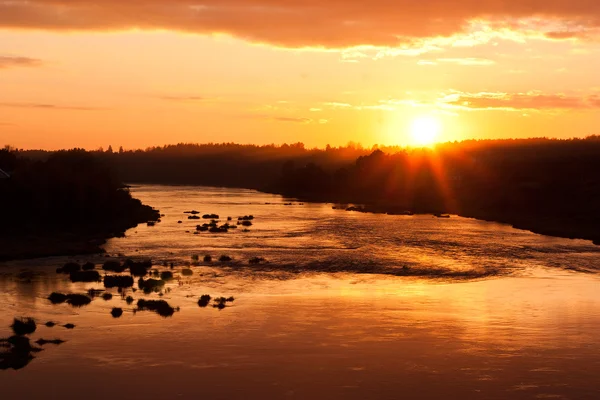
(12, 61)
(46, 106)
(187, 98)
(467, 61)
(532, 101)
(298, 120)
(289, 119)
(457, 100)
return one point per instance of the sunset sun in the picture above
(425, 130)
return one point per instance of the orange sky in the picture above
(90, 73)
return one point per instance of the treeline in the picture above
(548, 186)
(224, 164)
(70, 193)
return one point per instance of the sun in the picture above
(425, 130)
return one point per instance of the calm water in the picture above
(347, 305)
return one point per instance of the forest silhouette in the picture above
(548, 186)
(68, 202)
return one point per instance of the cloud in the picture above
(187, 98)
(43, 106)
(293, 119)
(381, 106)
(11, 61)
(456, 100)
(467, 61)
(533, 101)
(309, 23)
(335, 104)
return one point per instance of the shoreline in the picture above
(546, 226)
(73, 243)
(78, 241)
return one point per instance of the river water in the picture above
(345, 305)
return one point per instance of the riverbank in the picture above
(35, 242)
(69, 204)
(583, 227)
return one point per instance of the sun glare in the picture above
(425, 130)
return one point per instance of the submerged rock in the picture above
(23, 326)
(88, 266)
(68, 268)
(114, 266)
(111, 281)
(85, 276)
(57, 298)
(76, 300)
(224, 258)
(116, 312)
(204, 300)
(139, 268)
(187, 272)
(151, 285)
(221, 302)
(94, 292)
(16, 352)
(161, 307)
(166, 275)
(42, 342)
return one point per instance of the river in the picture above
(345, 305)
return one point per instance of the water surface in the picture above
(413, 307)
